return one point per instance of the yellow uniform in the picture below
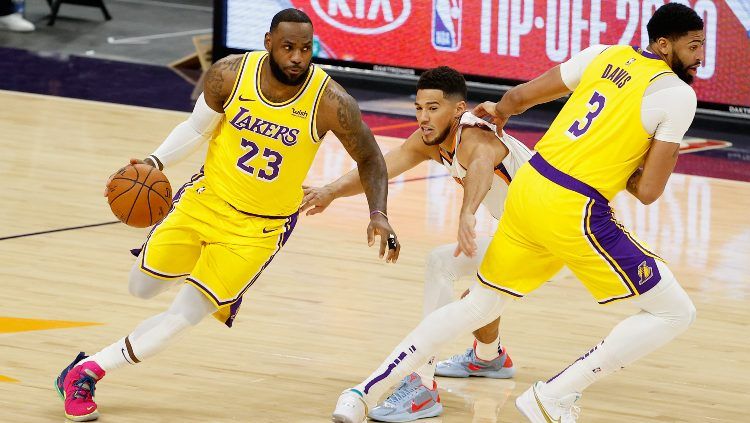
(557, 211)
(231, 219)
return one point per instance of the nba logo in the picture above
(446, 24)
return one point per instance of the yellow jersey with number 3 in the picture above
(262, 151)
(598, 137)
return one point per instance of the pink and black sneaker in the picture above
(76, 385)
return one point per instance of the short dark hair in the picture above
(673, 20)
(445, 79)
(289, 15)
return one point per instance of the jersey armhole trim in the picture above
(316, 103)
(237, 81)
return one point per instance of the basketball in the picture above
(139, 195)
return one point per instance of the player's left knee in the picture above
(687, 314)
(143, 286)
(682, 311)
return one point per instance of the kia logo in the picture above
(363, 12)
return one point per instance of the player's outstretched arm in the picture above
(478, 154)
(340, 114)
(546, 87)
(397, 161)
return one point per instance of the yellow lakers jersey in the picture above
(262, 151)
(598, 137)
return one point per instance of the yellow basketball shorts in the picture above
(215, 247)
(551, 220)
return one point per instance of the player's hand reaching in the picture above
(379, 226)
(316, 199)
(132, 162)
(488, 109)
(467, 243)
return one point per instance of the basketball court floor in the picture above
(326, 312)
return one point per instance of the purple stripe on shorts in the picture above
(619, 250)
(235, 306)
(489, 285)
(290, 224)
(564, 180)
(639, 268)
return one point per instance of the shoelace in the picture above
(461, 358)
(573, 412)
(85, 387)
(400, 394)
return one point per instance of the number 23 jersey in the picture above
(262, 151)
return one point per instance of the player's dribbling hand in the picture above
(106, 186)
(466, 235)
(316, 199)
(379, 226)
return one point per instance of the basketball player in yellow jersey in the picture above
(264, 115)
(620, 128)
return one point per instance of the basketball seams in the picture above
(133, 209)
(135, 201)
(124, 192)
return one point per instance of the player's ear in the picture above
(665, 45)
(460, 108)
(267, 42)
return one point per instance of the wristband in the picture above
(374, 212)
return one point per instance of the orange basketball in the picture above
(139, 195)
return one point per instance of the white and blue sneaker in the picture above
(410, 401)
(468, 364)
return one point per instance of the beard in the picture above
(681, 70)
(279, 74)
(438, 139)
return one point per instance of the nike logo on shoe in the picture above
(473, 367)
(416, 407)
(90, 408)
(245, 99)
(546, 415)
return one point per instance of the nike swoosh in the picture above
(417, 407)
(544, 411)
(245, 99)
(473, 367)
(269, 231)
(90, 408)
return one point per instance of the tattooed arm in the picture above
(219, 80)
(339, 113)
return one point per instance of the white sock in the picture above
(427, 372)
(666, 312)
(155, 333)
(442, 272)
(487, 352)
(477, 309)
